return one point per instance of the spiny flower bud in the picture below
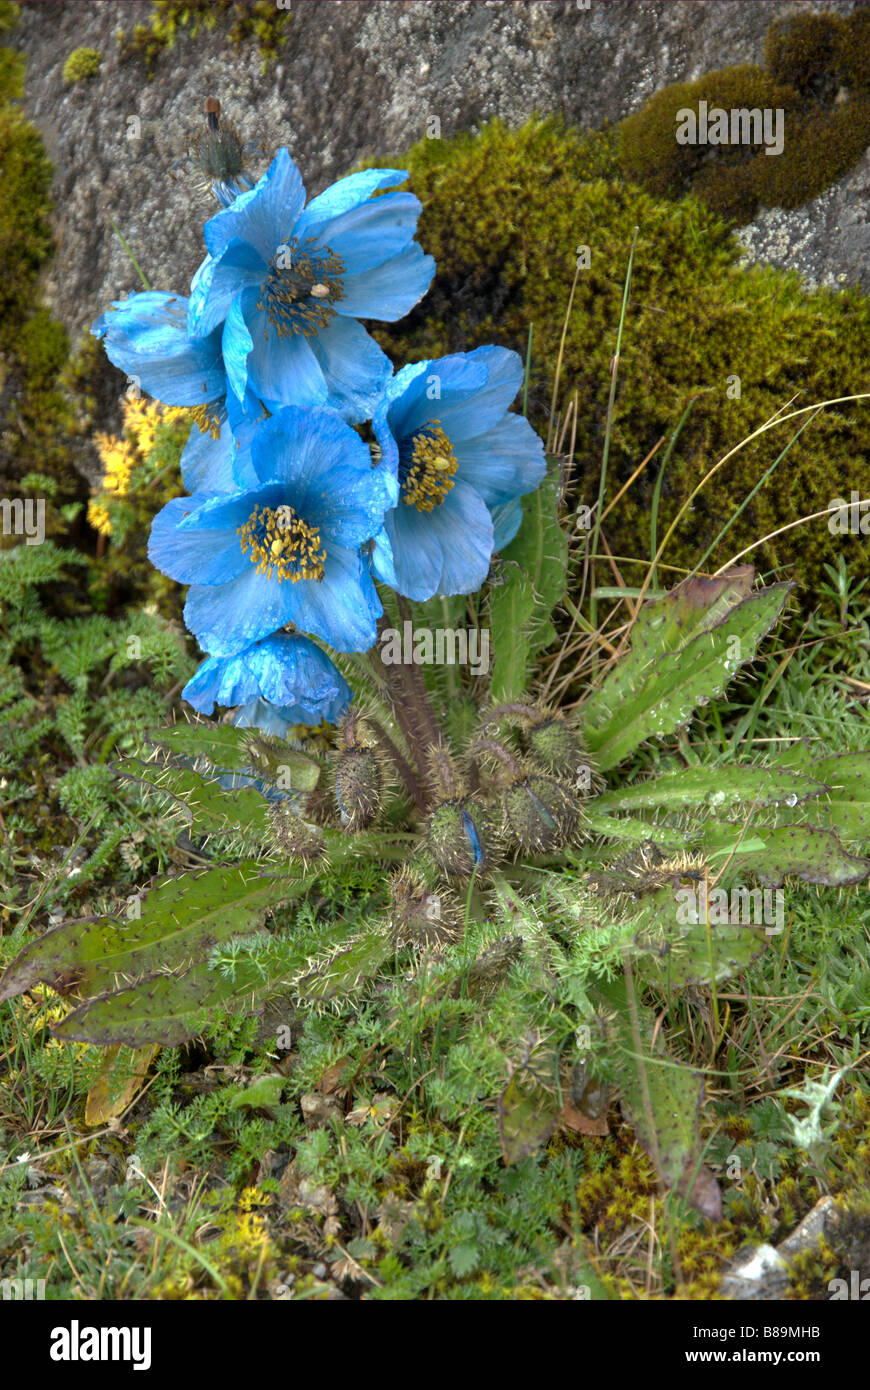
(542, 813)
(294, 836)
(420, 917)
(359, 773)
(557, 748)
(461, 838)
(359, 785)
(491, 966)
(644, 870)
(219, 156)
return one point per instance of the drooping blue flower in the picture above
(287, 283)
(146, 336)
(461, 461)
(287, 549)
(284, 679)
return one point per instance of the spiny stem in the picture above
(430, 731)
(397, 691)
(403, 767)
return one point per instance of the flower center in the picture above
(427, 464)
(277, 539)
(301, 287)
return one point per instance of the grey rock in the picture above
(827, 240)
(354, 79)
(763, 1272)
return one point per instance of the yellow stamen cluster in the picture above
(433, 465)
(278, 540)
(301, 288)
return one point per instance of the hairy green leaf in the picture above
(527, 1116)
(811, 853)
(668, 682)
(714, 787)
(661, 1099)
(181, 918)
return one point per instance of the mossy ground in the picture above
(259, 21)
(817, 75)
(81, 64)
(507, 216)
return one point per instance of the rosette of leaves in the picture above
(551, 962)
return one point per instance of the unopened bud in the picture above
(420, 917)
(359, 785)
(294, 836)
(542, 813)
(557, 748)
(460, 838)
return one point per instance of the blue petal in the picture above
(328, 473)
(194, 541)
(223, 464)
(353, 366)
(236, 343)
(227, 618)
(472, 416)
(207, 463)
(265, 216)
(504, 462)
(445, 551)
(343, 607)
(407, 555)
(433, 390)
(373, 231)
(389, 290)
(146, 336)
(259, 714)
(340, 197)
(282, 371)
(218, 281)
(386, 439)
(287, 670)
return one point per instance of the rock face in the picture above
(827, 240)
(352, 80)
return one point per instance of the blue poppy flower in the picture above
(287, 548)
(285, 679)
(146, 336)
(289, 282)
(461, 461)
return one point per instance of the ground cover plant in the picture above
(438, 988)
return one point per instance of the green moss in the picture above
(81, 64)
(818, 74)
(504, 213)
(37, 417)
(261, 21)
